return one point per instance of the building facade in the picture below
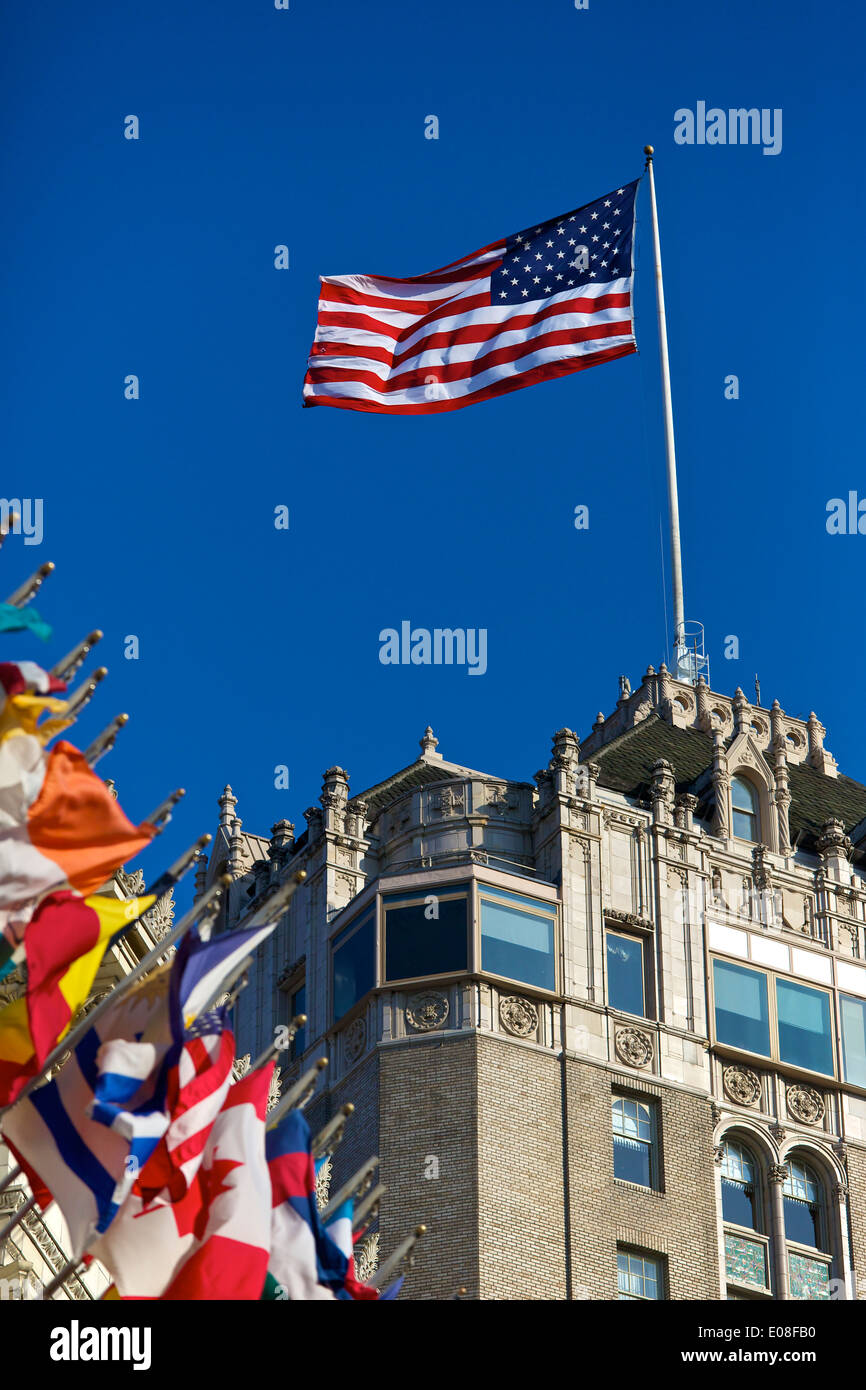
(606, 1030)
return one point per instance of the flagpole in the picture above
(673, 499)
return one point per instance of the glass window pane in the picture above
(631, 1160)
(354, 966)
(804, 1026)
(737, 1205)
(625, 988)
(743, 795)
(854, 1038)
(417, 943)
(298, 1005)
(800, 1222)
(745, 826)
(517, 943)
(742, 1012)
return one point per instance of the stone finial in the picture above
(624, 689)
(833, 843)
(200, 874)
(335, 795)
(227, 803)
(599, 722)
(650, 671)
(282, 838)
(777, 732)
(664, 699)
(356, 818)
(236, 847)
(429, 743)
(564, 761)
(684, 810)
(313, 817)
(662, 788)
(742, 712)
(819, 757)
(705, 714)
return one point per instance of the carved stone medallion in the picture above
(518, 1016)
(633, 1047)
(426, 1011)
(741, 1085)
(805, 1104)
(355, 1039)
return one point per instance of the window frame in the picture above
(644, 940)
(754, 813)
(412, 898)
(774, 1057)
(653, 1145)
(370, 911)
(645, 1256)
(549, 911)
(758, 1204)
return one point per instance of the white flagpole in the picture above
(673, 500)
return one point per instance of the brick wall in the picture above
(678, 1223)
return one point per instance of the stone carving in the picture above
(633, 1047)
(518, 1015)
(366, 1256)
(426, 1011)
(778, 1173)
(629, 919)
(355, 1039)
(274, 1088)
(449, 801)
(500, 800)
(805, 1104)
(741, 1085)
(323, 1183)
(241, 1066)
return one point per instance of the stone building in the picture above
(606, 1029)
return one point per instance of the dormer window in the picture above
(744, 800)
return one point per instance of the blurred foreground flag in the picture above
(59, 824)
(545, 302)
(63, 948)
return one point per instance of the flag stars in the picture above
(550, 243)
(560, 254)
(514, 282)
(607, 202)
(594, 215)
(581, 229)
(538, 256)
(524, 293)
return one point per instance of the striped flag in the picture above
(550, 300)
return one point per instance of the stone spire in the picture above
(282, 838)
(782, 797)
(429, 743)
(227, 803)
(335, 795)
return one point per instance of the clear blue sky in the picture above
(258, 127)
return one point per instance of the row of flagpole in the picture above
(201, 915)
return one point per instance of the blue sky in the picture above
(155, 257)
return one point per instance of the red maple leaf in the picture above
(192, 1212)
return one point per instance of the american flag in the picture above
(550, 300)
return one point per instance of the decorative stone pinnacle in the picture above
(227, 803)
(429, 743)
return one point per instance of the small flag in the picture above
(63, 947)
(26, 693)
(14, 619)
(545, 302)
(59, 824)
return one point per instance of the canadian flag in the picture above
(213, 1242)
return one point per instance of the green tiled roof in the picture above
(626, 766)
(419, 774)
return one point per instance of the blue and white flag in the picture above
(88, 1133)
